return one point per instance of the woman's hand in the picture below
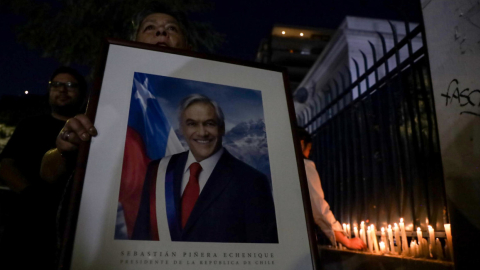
(76, 130)
(354, 243)
(55, 163)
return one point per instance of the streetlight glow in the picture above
(283, 32)
(301, 34)
(26, 92)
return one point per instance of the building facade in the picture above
(346, 57)
(295, 48)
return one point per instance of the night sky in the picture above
(243, 24)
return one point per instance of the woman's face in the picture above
(163, 30)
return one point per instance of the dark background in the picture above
(242, 23)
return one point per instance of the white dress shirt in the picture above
(322, 214)
(207, 164)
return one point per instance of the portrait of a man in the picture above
(210, 195)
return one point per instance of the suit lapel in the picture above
(177, 184)
(216, 183)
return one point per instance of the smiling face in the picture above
(201, 128)
(163, 30)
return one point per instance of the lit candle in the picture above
(375, 242)
(346, 230)
(414, 248)
(420, 237)
(390, 238)
(362, 232)
(425, 252)
(419, 233)
(382, 247)
(448, 232)
(418, 250)
(397, 238)
(355, 231)
(447, 252)
(438, 249)
(362, 236)
(404, 237)
(349, 232)
(370, 240)
(383, 238)
(431, 241)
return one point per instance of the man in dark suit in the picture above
(210, 195)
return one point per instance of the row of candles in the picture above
(419, 248)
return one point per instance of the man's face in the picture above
(63, 96)
(200, 127)
(163, 30)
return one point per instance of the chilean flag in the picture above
(149, 137)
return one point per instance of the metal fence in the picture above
(378, 153)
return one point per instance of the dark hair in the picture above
(82, 83)
(156, 7)
(303, 135)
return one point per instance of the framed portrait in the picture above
(195, 166)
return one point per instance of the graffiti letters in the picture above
(467, 99)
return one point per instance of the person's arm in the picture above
(55, 163)
(12, 176)
(322, 214)
(53, 166)
(353, 243)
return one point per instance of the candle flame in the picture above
(383, 229)
(418, 229)
(430, 227)
(354, 227)
(395, 224)
(362, 222)
(401, 220)
(390, 226)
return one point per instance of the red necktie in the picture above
(191, 192)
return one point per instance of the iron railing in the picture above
(378, 154)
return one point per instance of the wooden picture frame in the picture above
(259, 130)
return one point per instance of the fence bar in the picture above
(378, 154)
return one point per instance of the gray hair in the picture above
(198, 98)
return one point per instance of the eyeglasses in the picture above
(71, 86)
